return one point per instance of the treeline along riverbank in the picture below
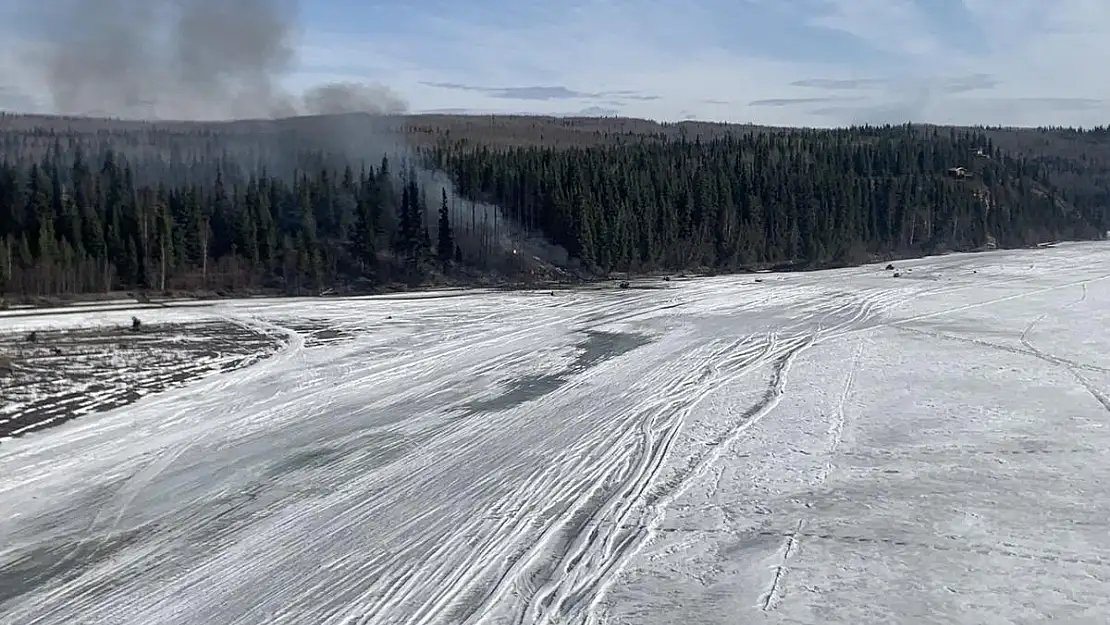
(265, 207)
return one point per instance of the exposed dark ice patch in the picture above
(53, 562)
(517, 392)
(597, 348)
(602, 346)
(305, 460)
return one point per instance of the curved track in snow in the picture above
(490, 458)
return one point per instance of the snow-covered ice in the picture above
(830, 447)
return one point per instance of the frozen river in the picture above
(829, 447)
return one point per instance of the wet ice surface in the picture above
(836, 447)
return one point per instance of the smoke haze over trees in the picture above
(89, 206)
(216, 60)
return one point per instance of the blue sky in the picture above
(814, 62)
(809, 62)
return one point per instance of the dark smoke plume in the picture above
(183, 60)
(198, 60)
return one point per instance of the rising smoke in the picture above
(203, 60)
(183, 60)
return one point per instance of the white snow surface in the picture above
(829, 447)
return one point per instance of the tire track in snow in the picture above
(599, 550)
(1005, 348)
(775, 593)
(403, 584)
(425, 564)
(998, 300)
(955, 452)
(643, 535)
(582, 493)
(565, 541)
(836, 430)
(570, 597)
(871, 305)
(1071, 368)
(437, 352)
(952, 544)
(578, 603)
(835, 434)
(163, 458)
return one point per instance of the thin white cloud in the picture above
(888, 25)
(1037, 62)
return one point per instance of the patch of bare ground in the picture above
(50, 377)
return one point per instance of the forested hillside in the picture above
(309, 204)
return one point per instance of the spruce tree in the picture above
(446, 239)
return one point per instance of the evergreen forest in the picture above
(267, 207)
